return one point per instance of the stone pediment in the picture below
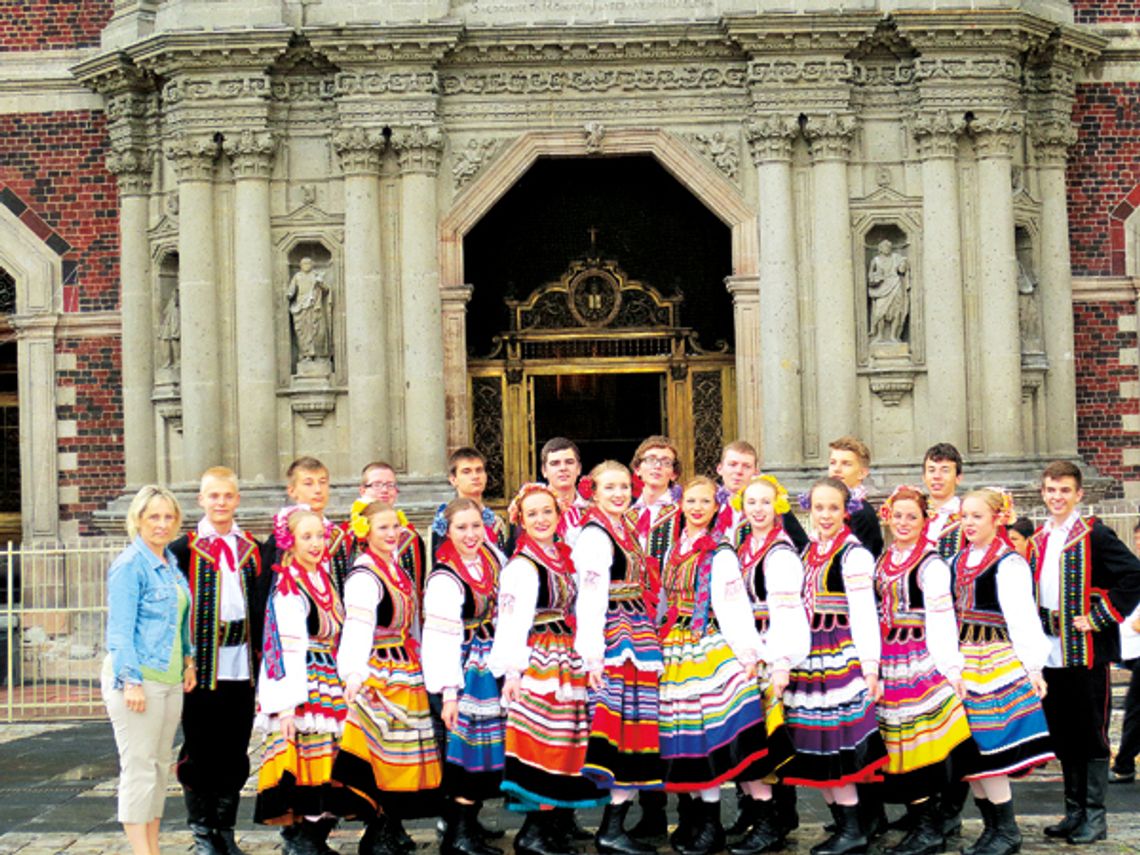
(167, 226)
(886, 196)
(306, 214)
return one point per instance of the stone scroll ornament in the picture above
(310, 306)
(888, 285)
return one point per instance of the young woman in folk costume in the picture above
(830, 699)
(920, 713)
(544, 688)
(388, 754)
(617, 639)
(773, 579)
(301, 706)
(712, 719)
(459, 628)
(1005, 649)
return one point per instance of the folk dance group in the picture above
(598, 648)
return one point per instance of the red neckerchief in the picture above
(219, 548)
(816, 559)
(559, 562)
(749, 556)
(887, 566)
(449, 555)
(391, 571)
(705, 543)
(300, 577)
(626, 538)
(998, 547)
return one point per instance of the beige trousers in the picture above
(145, 741)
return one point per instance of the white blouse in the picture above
(518, 602)
(363, 592)
(788, 640)
(593, 557)
(1019, 608)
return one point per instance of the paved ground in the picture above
(57, 795)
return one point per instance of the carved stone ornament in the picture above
(723, 150)
(996, 135)
(418, 148)
(892, 387)
(788, 71)
(595, 133)
(252, 153)
(193, 156)
(594, 80)
(1052, 141)
(359, 149)
(132, 167)
(312, 405)
(385, 82)
(937, 133)
(770, 137)
(471, 158)
(170, 334)
(830, 135)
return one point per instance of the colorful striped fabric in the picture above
(475, 746)
(1003, 710)
(831, 716)
(712, 719)
(624, 748)
(548, 728)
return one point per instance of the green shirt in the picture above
(173, 672)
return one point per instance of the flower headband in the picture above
(1006, 514)
(359, 524)
(281, 533)
(854, 503)
(885, 508)
(514, 509)
(781, 505)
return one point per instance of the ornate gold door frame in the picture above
(594, 320)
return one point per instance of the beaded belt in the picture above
(980, 633)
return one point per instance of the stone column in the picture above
(745, 291)
(359, 150)
(1000, 398)
(418, 149)
(256, 302)
(39, 453)
(201, 385)
(132, 167)
(454, 310)
(780, 424)
(943, 305)
(1055, 282)
(834, 276)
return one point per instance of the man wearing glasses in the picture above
(378, 484)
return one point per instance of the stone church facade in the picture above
(239, 233)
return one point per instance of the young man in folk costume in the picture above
(739, 464)
(849, 460)
(378, 484)
(228, 591)
(1086, 581)
(307, 483)
(561, 469)
(942, 475)
(467, 473)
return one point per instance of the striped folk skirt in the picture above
(475, 748)
(295, 775)
(921, 720)
(712, 718)
(548, 728)
(1003, 710)
(624, 748)
(388, 753)
(831, 716)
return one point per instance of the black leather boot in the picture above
(566, 830)
(986, 809)
(201, 817)
(1006, 836)
(708, 833)
(784, 795)
(304, 838)
(950, 803)
(462, 836)
(377, 838)
(745, 816)
(486, 832)
(848, 838)
(687, 819)
(1095, 826)
(534, 837)
(612, 838)
(653, 824)
(227, 811)
(1075, 780)
(925, 835)
(872, 813)
(765, 835)
(318, 832)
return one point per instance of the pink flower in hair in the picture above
(281, 532)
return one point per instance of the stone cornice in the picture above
(419, 44)
(213, 50)
(1111, 289)
(797, 33)
(985, 30)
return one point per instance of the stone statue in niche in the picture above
(1029, 310)
(170, 334)
(310, 306)
(888, 286)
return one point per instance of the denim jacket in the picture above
(142, 612)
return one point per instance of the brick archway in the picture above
(1116, 231)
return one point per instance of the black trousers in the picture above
(1130, 734)
(216, 724)
(1077, 706)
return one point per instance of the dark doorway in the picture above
(606, 415)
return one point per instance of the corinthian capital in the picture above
(418, 148)
(252, 153)
(936, 132)
(1052, 141)
(193, 156)
(770, 137)
(359, 149)
(830, 135)
(132, 166)
(996, 134)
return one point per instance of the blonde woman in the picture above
(150, 661)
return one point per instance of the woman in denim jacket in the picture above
(150, 661)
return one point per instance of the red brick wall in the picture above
(54, 164)
(1103, 171)
(1105, 11)
(52, 24)
(98, 410)
(1100, 433)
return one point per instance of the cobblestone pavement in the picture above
(57, 795)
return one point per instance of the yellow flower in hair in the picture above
(357, 522)
(780, 505)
